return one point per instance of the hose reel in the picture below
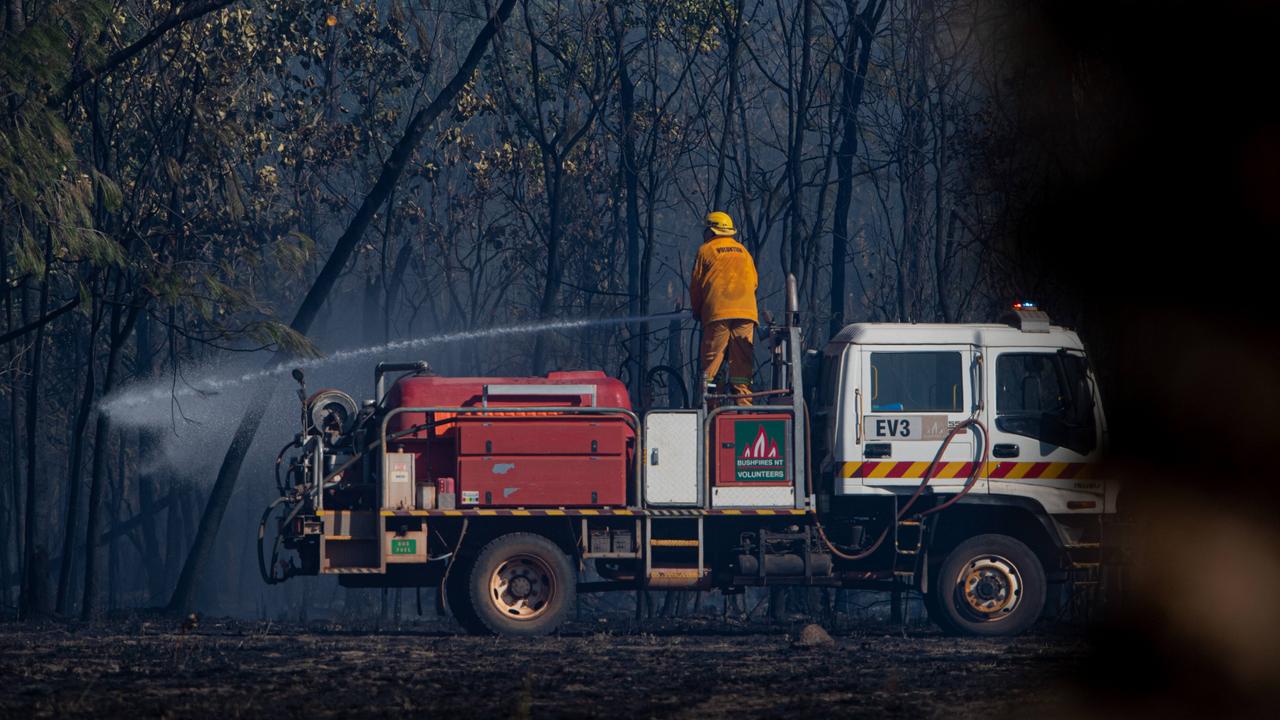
(331, 413)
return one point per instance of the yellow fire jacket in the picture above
(723, 285)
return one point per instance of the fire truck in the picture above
(956, 460)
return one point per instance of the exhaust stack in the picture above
(793, 302)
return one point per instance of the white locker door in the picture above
(673, 457)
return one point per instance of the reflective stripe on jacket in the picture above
(723, 285)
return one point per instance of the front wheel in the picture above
(990, 585)
(522, 584)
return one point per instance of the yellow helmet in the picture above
(720, 223)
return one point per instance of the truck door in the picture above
(1045, 427)
(914, 396)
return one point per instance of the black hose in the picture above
(280, 458)
(674, 377)
(268, 577)
(444, 595)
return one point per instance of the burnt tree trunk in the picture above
(120, 332)
(733, 36)
(9, 534)
(853, 80)
(31, 599)
(675, 361)
(148, 447)
(74, 479)
(551, 287)
(795, 154)
(183, 597)
(631, 183)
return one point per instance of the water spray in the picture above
(137, 396)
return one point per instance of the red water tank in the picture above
(512, 459)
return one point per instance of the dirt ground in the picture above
(141, 667)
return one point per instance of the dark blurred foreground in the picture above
(702, 669)
(1160, 225)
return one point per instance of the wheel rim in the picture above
(522, 587)
(989, 588)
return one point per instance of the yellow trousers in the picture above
(734, 338)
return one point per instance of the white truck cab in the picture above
(890, 393)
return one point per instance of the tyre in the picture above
(521, 584)
(989, 585)
(935, 613)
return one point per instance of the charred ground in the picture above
(140, 667)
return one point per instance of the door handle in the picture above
(1005, 450)
(877, 450)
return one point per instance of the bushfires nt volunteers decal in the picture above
(760, 451)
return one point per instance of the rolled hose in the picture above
(924, 482)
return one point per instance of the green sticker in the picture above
(404, 547)
(760, 451)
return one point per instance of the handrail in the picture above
(760, 393)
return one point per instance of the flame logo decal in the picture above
(762, 447)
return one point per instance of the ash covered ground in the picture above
(694, 668)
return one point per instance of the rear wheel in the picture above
(990, 585)
(521, 584)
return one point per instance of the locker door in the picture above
(673, 458)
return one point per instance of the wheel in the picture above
(991, 585)
(522, 584)
(935, 613)
(459, 598)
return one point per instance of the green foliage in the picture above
(280, 336)
(48, 191)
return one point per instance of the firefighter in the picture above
(723, 294)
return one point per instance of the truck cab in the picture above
(1026, 473)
